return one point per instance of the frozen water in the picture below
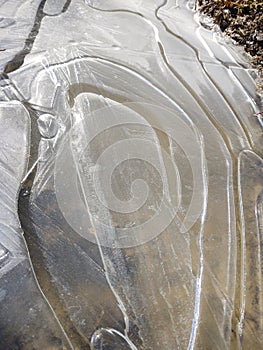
(27, 320)
(133, 131)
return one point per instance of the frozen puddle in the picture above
(136, 136)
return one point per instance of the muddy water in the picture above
(141, 199)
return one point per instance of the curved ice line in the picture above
(45, 298)
(243, 255)
(219, 91)
(259, 216)
(118, 298)
(199, 279)
(257, 212)
(180, 78)
(115, 331)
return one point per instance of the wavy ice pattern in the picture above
(137, 138)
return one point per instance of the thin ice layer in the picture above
(149, 334)
(250, 326)
(17, 19)
(24, 311)
(143, 110)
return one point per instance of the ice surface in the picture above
(27, 320)
(133, 132)
(17, 30)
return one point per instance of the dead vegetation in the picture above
(242, 20)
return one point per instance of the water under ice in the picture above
(133, 132)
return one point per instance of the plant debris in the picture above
(242, 20)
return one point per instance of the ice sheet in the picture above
(27, 319)
(141, 201)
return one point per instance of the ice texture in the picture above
(27, 319)
(134, 137)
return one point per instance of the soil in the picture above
(242, 20)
